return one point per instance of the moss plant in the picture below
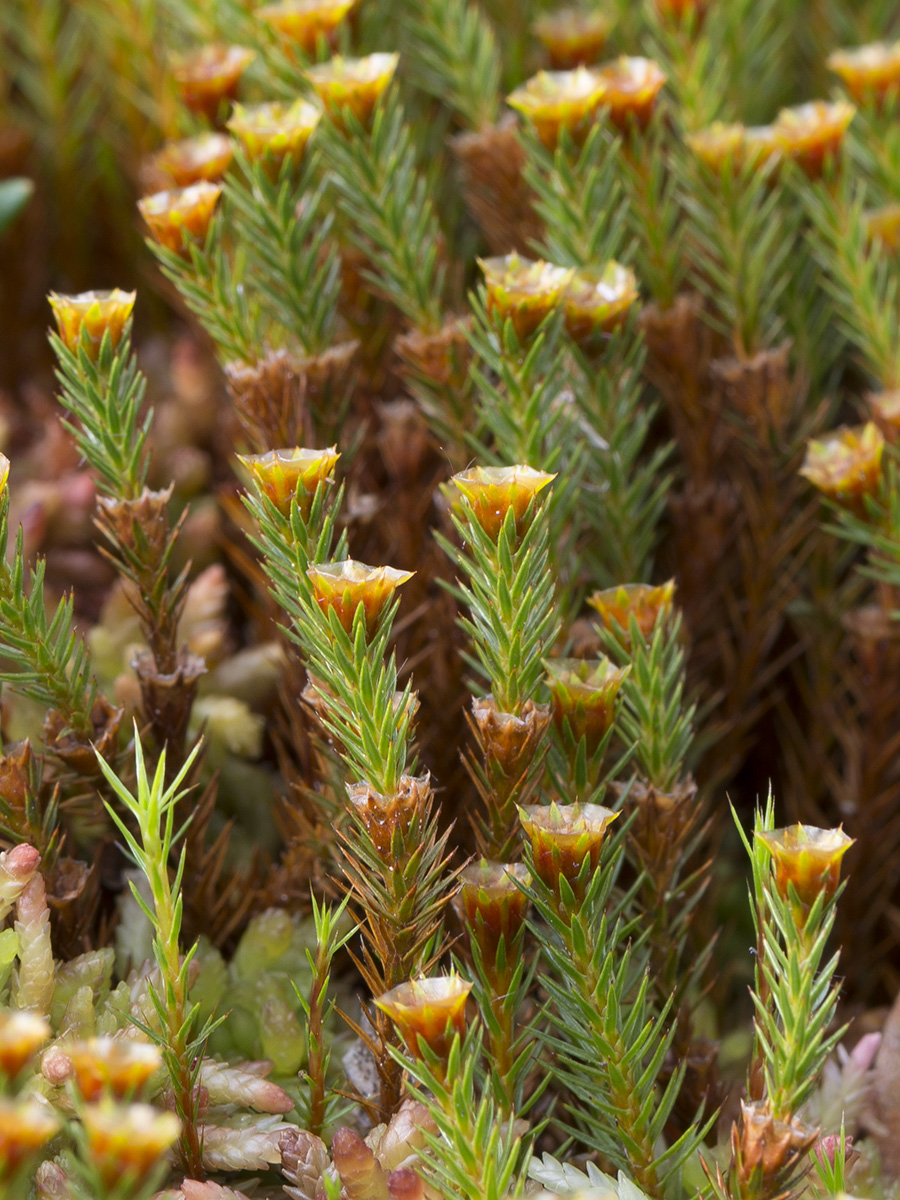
(487, 461)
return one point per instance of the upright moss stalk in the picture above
(795, 892)
(180, 1035)
(391, 220)
(608, 1037)
(341, 614)
(103, 389)
(49, 661)
(331, 937)
(580, 194)
(501, 519)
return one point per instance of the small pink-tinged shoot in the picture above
(171, 215)
(21, 862)
(244, 1084)
(17, 869)
(583, 696)
(564, 837)
(493, 491)
(862, 1056)
(558, 100)
(193, 1189)
(647, 604)
(871, 74)
(597, 300)
(846, 465)
(204, 158)
(275, 132)
(356, 84)
(807, 859)
(88, 316)
(209, 77)
(813, 134)
(344, 586)
(631, 87)
(827, 1147)
(573, 37)
(284, 475)
(4, 481)
(523, 290)
(431, 1009)
(303, 22)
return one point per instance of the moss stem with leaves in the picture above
(151, 807)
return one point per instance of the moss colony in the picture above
(459, 491)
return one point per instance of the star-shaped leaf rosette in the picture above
(573, 37)
(871, 74)
(178, 217)
(305, 26)
(500, 515)
(84, 320)
(846, 465)
(857, 471)
(807, 865)
(566, 843)
(274, 134)
(353, 86)
(428, 1013)
(584, 695)
(208, 78)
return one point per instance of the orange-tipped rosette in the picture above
(682, 10)
(356, 84)
(566, 841)
(631, 88)
(523, 290)
(273, 133)
(431, 1009)
(722, 146)
(25, 1126)
(493, 491)
(200, 159)
(645, 603)
(846, 465)
(343, 586)
(883, 226)
(186, 211)
(284, 475)
(583, 696)
(209, 78)
(115, 1066)
(573, 37)
(127, 1141)
(21, 1035)
(812, 134)
(871, 74)
(494, 904)
(303, 23)
(597, 301)
(558, 100)
(86, 318)
(808, 860)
